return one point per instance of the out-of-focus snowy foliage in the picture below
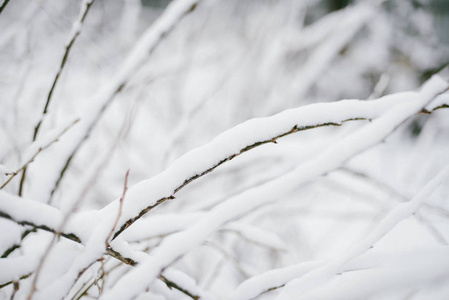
(206, 103)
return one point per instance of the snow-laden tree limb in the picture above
(371, 266)
(240, 139)
(193, 76)
(143, 47)
(352, 20)
(173, 277)
(165, 224)
(34, 214)
(277, 278)
(322, 274)
(177, 245)
(272, 279)
(225, 147)
(414, 271)
(18, 268)
(23, 211)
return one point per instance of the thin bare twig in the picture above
(83, 290)
(125, 260)
(102, 161)
(88, 287)
(125, 188)
(84, 10)
(16, 288)
(172, 284)
(77, 25)
(3, 5)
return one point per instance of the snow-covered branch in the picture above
(387, 113)
(242, 138)
(324, 273)
(333, 157)
(143, 47)
(76, 29)
(32, 213)
(249, 177)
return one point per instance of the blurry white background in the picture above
(224, 63)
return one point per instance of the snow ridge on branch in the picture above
(173, 247)
(387, 113)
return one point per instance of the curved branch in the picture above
(13, 247)
(149, 41)
(177, 245)
(34, 214)
(364, 110)
(253, 133)
(320, 275)
(76, 29)
(247, 136)
(174, 285)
